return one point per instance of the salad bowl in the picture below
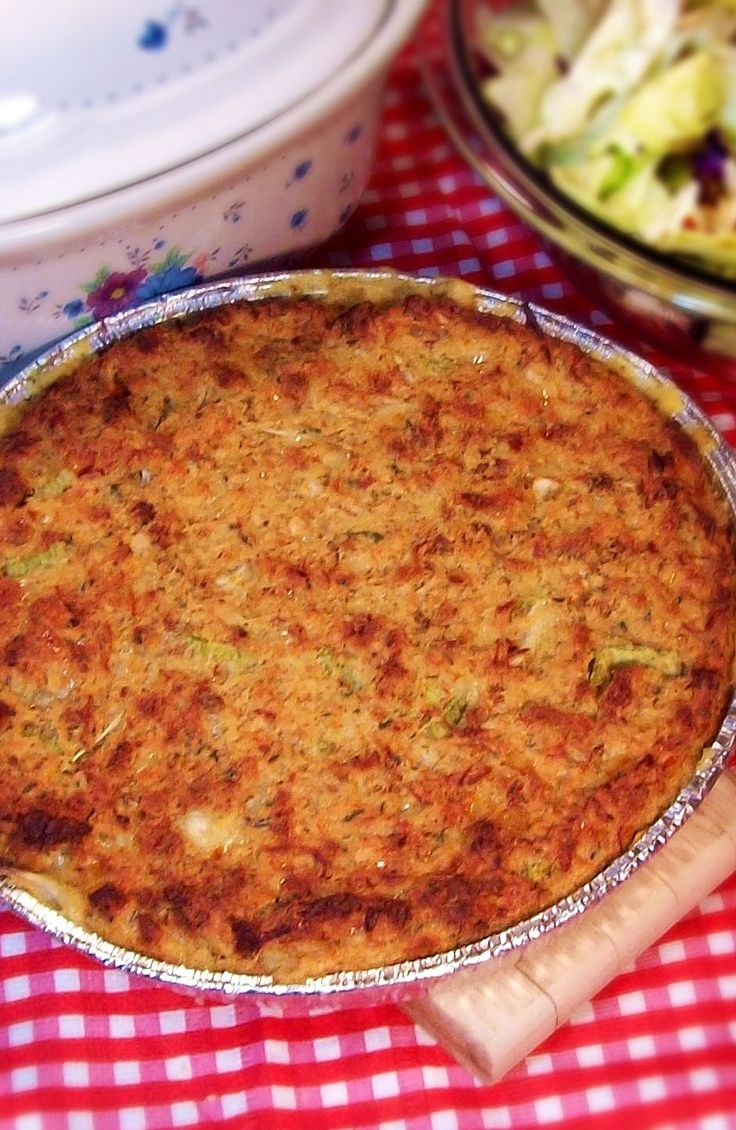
(625, 219)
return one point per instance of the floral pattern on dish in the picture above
(111, 291)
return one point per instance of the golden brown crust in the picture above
(334, 636)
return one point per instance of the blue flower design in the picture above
(154, 36)
(73, 309)
(353, 134)
(172, 278)
(302, 169)
(299, 218)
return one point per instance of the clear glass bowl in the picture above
(678, 308)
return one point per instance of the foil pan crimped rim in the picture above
(400, 979)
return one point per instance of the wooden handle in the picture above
(492, 1016)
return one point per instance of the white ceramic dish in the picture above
(200, 140)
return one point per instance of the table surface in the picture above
(94, 1049)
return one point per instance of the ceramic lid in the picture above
(98, 95)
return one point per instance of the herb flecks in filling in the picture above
(335, 635)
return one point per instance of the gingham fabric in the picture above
(88, 1048)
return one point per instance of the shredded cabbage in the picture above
(571, 21)
(630, 108)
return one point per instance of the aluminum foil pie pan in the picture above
(399, 980)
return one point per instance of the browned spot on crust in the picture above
(38, 828)
(13, 489)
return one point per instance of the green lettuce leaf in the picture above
(672, 109)
(621, 49)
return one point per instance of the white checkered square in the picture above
(184, 1114)
(81, 1120)
(66, 980)
(600, 1099)
(121, 1025)
(18, 1035)
(223, 1016)
(589, 1055)
(75, 1074)
(539, 1064)
(24, 1078)
(703, 1079)
(71, 1026)
(377, 1039)
(641, 1047)
(283, 1098)
(13, 944)
(327, 1048)
(178, 1068)
(632, 1004)
(228, 1060)
(16, 988)
(173, 1022)
(727, 987)
(334, 1094)
(126, 1072)
(116, 981)
(234, 1104)
(133, 1118)
(276, 1051)
(549, 1109)
(681, 993)
(692, 1039)
(443, 1120)
(385, 1085)
(670, 952)
(435, 1078)
(28, 1122)
(652, 1089)
(721, 943)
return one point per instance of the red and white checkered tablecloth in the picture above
(88, 1048)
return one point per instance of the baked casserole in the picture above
(340, 631)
